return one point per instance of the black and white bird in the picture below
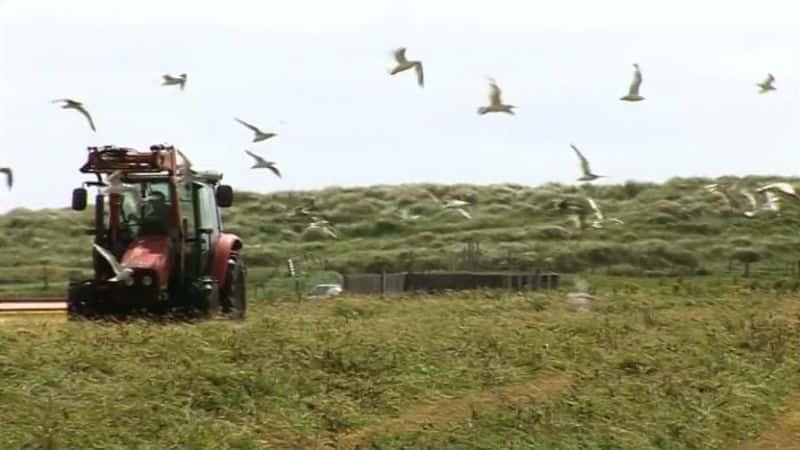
(261, 163)
(766, 85)
(495, 101)
(586, 171)
(258, 134)
(633, 90)
(404, 64)
(169, 80)
(121, 272)
(77, 106)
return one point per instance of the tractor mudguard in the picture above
(226, 244)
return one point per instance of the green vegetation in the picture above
(672, 228)
(655, 364)
(679, 351)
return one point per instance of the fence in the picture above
(379, 283)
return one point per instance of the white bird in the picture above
(77, 106)
(771, 202)
(495, 101)
(261, 163)
(766, 85)
(780, 187)
(463, 213)
(185, 167)
(453, 204)
(169, 80)
(259, 135)
(324, 227)
(9, 176)
(405, 215)
(599, 216)
(633, 90)
(403, 64)
(121, 273)
(752, 200)
(586, 171)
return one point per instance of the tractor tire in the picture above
(78, 307)
(233, 295)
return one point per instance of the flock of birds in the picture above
(496, 105)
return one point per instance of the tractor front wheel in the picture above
(233, 294)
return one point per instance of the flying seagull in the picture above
(9, 176)
(324, 226)
(495, 102)
(599, 217)
(261, 163)
(403, 64)
(766, 85)
(633, 90)
(259, 135)
(169, 80)
(121, 273)
(78, 106)
(454, 204)
(586, 172)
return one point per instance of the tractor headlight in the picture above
(147, 280)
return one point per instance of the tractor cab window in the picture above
(207, 204)
(155, 208)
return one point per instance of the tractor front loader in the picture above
(162, 244)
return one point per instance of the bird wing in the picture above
(400, 55)
(83, 111)
(9, 176)
(420, 75)
(115, 265)
(494, 94)
(784, 188)
(274, 170)
(433, 197)
(185, 159)
(65, 100)
(583, 161)
(169, 79)
(464, 213)
(637, 81)
(593, 205)
(256, 157)
(252, 127)
(770, 79)
(330, 232)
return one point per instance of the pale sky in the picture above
(315, 72)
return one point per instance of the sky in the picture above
(316, 73)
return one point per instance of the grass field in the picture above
(657, 363)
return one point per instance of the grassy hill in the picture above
(671, 228)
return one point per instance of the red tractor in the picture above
(159, 241)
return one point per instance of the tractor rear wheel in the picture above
(233, 298)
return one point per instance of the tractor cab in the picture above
(159, 220)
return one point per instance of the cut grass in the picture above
(647, 368)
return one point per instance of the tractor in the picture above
(157, 220)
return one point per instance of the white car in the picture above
(325, 290)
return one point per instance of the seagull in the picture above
(9, 176)
(78, 106)
(585, 170)
(185, 167)
(169, 80)
(771, 202)
(783, 188)
(633, 90)
(114, 185)
(121, 273)
(767, 84)
(454, 204)
(262, 163)
(495, 102)
(324, 226)
(403, 64)
(259, 135)
(599, 217)
(405, 215)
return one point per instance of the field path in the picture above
(452, 410)
(783, 434)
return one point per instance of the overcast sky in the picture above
(315, 72)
